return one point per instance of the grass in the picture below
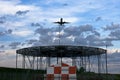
(19, 74)
(28, 74)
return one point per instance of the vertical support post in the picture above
(37, 63)
(85, 63)
(16, 64)
(57, 59)
(82, 61)
(29, 62)
(61, 60)
(106, 62)
(89, 63)
(33, 62)
(61, 56)
(48, 60)
(23, 62)
(73, 61)
(40, 62)
(99, 64)
(16, 59)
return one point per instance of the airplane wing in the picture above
(65, 22)
(57, 22)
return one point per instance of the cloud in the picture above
(2, 19)
(2, 46)
(31, 41)
(96, 33)
(22, 33)
(113, 26)
(2, 51)
(17, 19)
(14, 6)
(115, 33)
(43, 31)
(8, 58)
(14, 45)
(36, 24)
(93, 38)
(98, 19)
(22, 12)
(9, 31)
(86, 27)
(76, 35)
(79, 40)
(113, 62)
(3, 33)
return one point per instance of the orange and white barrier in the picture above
(61, 72)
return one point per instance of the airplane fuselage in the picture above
(61, 22)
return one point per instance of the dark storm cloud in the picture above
(101, 43)
(2, 46)
(77, 30)
(2, 22)
(96, 33)
(37, 43)
(9, 31)
(85, 28)
(31, 41)
(78, 35)
(36, 24)
(72, 30)
(65, 4)
(14, 45)
(93, 38)
(112, 26)
(96, 40)
(110, 38)
(82, 35)
(22, 12)
(42, 31)
(3, 33)
(98, 19)
(46, 39)
(115, 34)
(2, 19)
(80, 41)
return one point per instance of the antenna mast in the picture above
(60, 23)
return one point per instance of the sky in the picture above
(26, 23)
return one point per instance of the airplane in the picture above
(61, 22)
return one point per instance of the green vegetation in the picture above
(20, 74)
(28, 74)
(19, 70)
(81, 70)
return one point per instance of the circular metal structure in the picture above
(40, 57)
(61, 51)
